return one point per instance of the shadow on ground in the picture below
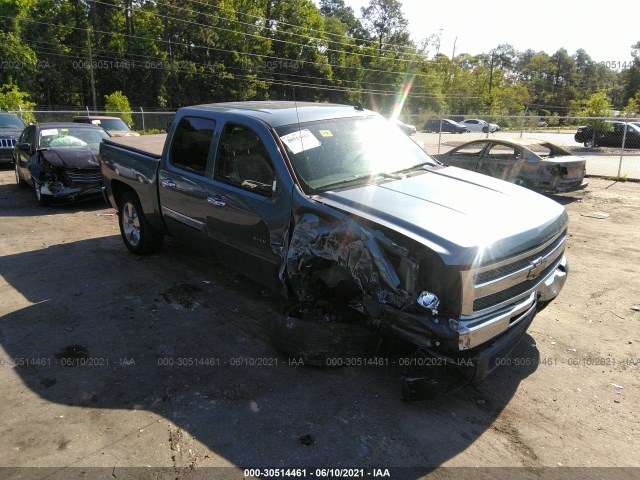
(118, 321)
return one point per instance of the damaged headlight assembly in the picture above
(429, 301)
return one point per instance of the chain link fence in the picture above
(141, 121)
(610, 145)
(598, 139)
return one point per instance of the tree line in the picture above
(169, 53)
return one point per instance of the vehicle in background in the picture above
(610, 134)
(59, 161)
(531, 163)
(446, 124)
(11, 126)
(477, 125)
(328, 205)
(405, 127)
(115, 126)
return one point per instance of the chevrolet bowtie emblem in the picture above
(536, 268)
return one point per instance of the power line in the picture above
(207, 65)
(269, 81)
(207, 48)
(210, 27)
(364, 40)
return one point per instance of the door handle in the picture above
(168, 183)
(217, 201)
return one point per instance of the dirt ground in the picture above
(110, 361)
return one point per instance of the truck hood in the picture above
(461, 215)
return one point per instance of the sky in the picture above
(605, 33)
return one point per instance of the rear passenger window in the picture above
(503, 152)
(243, 160)
(191, 143)
(471, 149)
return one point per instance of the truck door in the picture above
(185, 179)
(250, 211)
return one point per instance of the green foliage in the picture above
(177, 52)
(11, 98)
(118, 102)
(598, 105)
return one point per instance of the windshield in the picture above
(9, 121)
(71, 137)
(111, 124)
(329, 152)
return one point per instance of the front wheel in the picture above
(43, 198)
(19, 180)
(138, 236)
(323, 334)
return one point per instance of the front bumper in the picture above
(6, 156)
(480, 341)
(71, 194)
(565, 187)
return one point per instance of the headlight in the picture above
(429, 301)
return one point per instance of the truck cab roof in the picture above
(279, 113)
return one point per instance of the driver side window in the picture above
(243, 160)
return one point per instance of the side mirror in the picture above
(24, 147)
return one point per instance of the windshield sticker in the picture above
(325, 133)
(95, 122)
(49, 131)
(300, 140)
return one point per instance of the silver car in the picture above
(531, 163)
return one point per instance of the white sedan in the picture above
(476, 125)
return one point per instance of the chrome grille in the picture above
(489, 275)
(511, 292)
(492, 287)
(7, 142)
(79, 177)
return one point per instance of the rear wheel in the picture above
(19, 181)
(589, 143)
(138, 236)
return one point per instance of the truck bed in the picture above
(150, 145)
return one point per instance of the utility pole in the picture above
(491, 74)
(93, 83)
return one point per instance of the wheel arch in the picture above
(150, 206)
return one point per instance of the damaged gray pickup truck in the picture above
(321, 201)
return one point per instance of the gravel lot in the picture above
(110, 361)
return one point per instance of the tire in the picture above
(485, 129)
(43, 199)
(19, 180)
(322, 334)
(138, 236)
(589, 143)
